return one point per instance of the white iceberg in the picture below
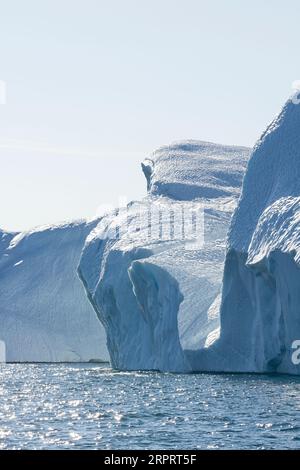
(156, 289)
(260, 318)
(44, 313)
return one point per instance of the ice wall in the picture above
(44, 313)
(157, 297)
(260, 317)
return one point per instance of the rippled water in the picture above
(91, 406)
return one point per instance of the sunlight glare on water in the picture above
(64, 406)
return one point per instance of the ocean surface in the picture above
(48, 406)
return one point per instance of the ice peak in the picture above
(273, 172)
(191, 169)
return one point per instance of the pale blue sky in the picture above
(94, 86)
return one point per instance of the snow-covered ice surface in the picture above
(158, 295)
(44, 312)
(193, 169)
(260, 317)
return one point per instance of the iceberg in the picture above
(44, 312)
(260, 320)
(154, 281)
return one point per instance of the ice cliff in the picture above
(153, 270)
(260, 317)
(44, 313)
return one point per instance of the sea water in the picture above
(75, 406)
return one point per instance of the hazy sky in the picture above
(94, 86)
